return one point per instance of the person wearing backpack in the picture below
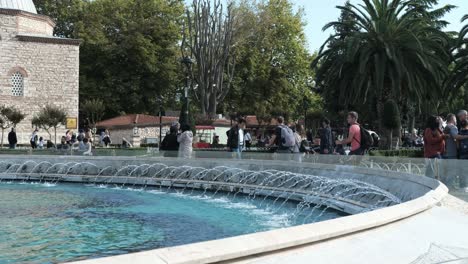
(354, 135)
(284, 138)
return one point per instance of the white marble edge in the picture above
(280, 239)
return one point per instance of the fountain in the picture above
(308, 193)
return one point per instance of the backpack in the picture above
(367, 141)
(287, 137)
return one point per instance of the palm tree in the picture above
(390, 52)
(459, 75)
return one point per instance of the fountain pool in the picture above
(50, 223)
(59, 209)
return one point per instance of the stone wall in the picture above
(31, 25)
(117, 134)
(51, 73)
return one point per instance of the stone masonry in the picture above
(49, 65)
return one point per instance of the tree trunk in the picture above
(397, 137)
(381, 130)
(3, 131)
(55, 135)
(389, 138)
(212, 107)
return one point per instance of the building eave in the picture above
(48, 40)
(15, 12)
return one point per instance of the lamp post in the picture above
(184, 115)
(160, 101)
(306, 106)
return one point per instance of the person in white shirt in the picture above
(185, 140)
(248, 140)
(236, 139)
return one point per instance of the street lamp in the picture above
(160, 102)
(184, 115)
(306, 107)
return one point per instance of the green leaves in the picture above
(10, 117)
(129, 54)
(273, 73)
(50, 117)
(389, 50)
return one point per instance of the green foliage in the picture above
(9, 117)
(129, 52)
(272, 74)
(391, 115)
(93, 110)
(50, 117)
(392, 51)
(459, 75)
(66, 13)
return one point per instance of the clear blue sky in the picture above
(320, 12)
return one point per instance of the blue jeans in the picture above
(12, 146)
(238, 152)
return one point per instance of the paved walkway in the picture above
(438, 235)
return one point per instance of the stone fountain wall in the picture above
(345, 188)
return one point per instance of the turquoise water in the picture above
(48, 223)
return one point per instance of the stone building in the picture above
(36, 68)
(136, 128)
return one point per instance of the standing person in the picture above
(185, 140)
(462, 115)
(354, 135)
(12, 139)
(464, 151)
(33, 139)
(326, 138)
(452, 138)
(170, 143)
(248, 140)
(89, 135)
(236, 139)
(106, 139)
(68, 137)
(284, 138)
(434, 139)
(41, 143)
(434, 146)
(464, 142)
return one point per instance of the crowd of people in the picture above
(293, 138)
(447, 139)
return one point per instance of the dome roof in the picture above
(24, 5)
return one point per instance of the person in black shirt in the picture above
(326, 139)
(12, 139)
(170, 143)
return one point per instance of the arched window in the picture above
(17, 84)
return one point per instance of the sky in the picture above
(320, 12)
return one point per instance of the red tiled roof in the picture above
(250, 120)
(253, 121)
(222, 122)
(136, 119)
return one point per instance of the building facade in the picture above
(36, 68)
(138, 129)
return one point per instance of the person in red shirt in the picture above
(354, 135)
(434, 139)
